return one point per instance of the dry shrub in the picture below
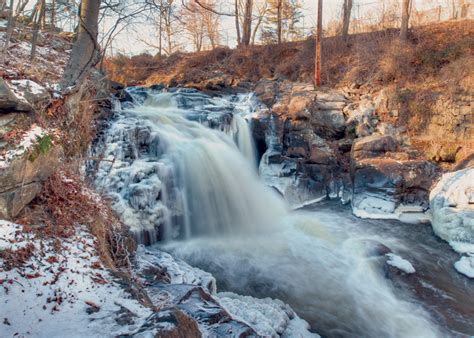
(67, 202)
(73, 117)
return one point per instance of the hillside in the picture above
(428, 82)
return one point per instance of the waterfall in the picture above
(183, 164)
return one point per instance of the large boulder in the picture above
(11, 101)
(388, 183)
(23, 170)
(31, 91)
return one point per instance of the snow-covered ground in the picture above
(27, 141)
(61, 291)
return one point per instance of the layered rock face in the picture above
(319, 144)
(26, 164)
(301, 130)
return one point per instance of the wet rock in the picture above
(170, 323)
(389, 188)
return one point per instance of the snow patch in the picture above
(400, 263)
(28, 140)
(62, 293)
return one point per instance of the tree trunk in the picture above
(168, 32)
(319, 35)
(11, 25)
(53, 14)
(237, 24)
(34, 40)
(160, 33)
(405, 20)
(85, 51)
(346, 19)
(247, 27)
(279, 8)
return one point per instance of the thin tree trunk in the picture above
(36, 28)
(160, 33)
(53, 14)
(11, 25)
(85, 52)
(346, 18)
(319, 35)
(237, 24)
(168, 32)
(405, 20)
(279, 23)
(247, 23)
(257, 26)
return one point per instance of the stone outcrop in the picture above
(320, 145)
(388, 180)
(21, 180)
(26, 164)
(11, 101)
(300, 125)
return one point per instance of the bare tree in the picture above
(85, 52)
(262, 10)
(406, 5)
(346, 17)
(193, 21)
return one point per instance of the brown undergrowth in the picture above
(65, 203)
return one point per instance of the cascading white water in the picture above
(171, 173)
(181, 165)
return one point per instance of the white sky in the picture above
(130, 40)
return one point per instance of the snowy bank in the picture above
(61, 293)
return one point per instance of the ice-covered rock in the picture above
(387, 183)
(269, 317)
(400, 263)
(452, 208)
(466, 266)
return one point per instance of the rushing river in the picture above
(180, 168)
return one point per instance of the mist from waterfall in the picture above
(181, 167)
